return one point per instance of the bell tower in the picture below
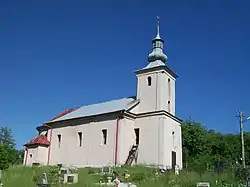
(156, 81)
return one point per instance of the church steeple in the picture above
(157, 55)
(156, 81)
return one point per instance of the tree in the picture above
(8, 153)
(6, 137)
(194, 140)
(203, 148)
(20, 156)
(4, 161)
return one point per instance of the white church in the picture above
(134, 130)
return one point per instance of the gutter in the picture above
(117, 136)
(49, 143)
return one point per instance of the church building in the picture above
(134, 130)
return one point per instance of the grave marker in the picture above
(44, 181)
(202, 184)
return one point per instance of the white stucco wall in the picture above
(156, 97)
(149, 140)
(126, 138)
(157, 142)
(166, 92)
(42, 155)
(36, 154)
(32, 156)
(172, 142)
(92, 152)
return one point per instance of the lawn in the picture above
(141, 176)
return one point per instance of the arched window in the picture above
(59, 140)
(80, 138)
(149, 81)
(169, 87)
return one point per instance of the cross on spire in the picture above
(157, 55)
(158, 27)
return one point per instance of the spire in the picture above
(157, 55)
(158, 28)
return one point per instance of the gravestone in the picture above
(70, 178)
(202, 184)
(176, 170)
(126, 185)
(64, 171)
(106, 169)
(44, 181)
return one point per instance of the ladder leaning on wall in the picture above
(132, 154)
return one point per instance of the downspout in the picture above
(26, 156)
(116, 138)
(49, 143)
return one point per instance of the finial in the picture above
(158, 27)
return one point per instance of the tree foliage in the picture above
(8, 154)
(203, 148)
(6, 137)
(4, 162)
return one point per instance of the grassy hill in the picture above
(140, 175)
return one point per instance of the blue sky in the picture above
(60, 54)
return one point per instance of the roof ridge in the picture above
(107, 101)
(40, 139)
(99, 108)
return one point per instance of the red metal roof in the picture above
(39, 140)
(42, 139)
(67, 111)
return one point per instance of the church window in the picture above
(169, 87)
(149, 81)
(80, 138)
(168, 106)
(137, 136)
(59, 140)
(104, 136)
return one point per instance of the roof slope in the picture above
(65, 112)
(100, 108)
(39, 140)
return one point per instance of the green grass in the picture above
(142, 176)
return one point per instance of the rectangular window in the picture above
(169, 88)
(104, 136)
(168, 106)
(80, 138)
(59, 140)
(137, 136)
